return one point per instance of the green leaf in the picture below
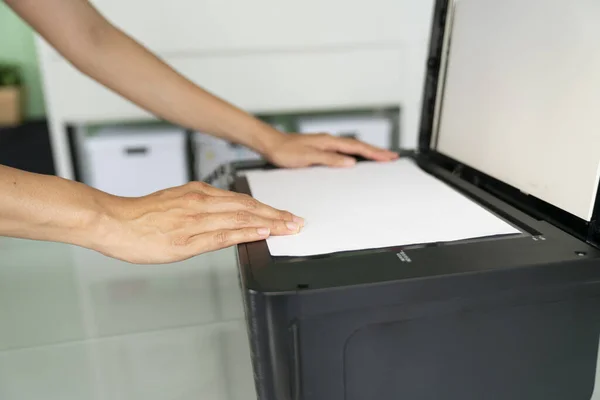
(9, 75)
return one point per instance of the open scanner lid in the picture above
(513, 92)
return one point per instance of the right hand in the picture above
(178, 223)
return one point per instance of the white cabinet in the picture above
(135, 162)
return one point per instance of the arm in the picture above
(106, 54)
(167, 226)
(45, 207)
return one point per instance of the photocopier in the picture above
(510, 119)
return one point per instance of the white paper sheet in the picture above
(372, 205)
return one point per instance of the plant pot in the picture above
(10, 106)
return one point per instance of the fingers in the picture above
(213, 191)
(221, 239)
(243, 219)
(213, 200)
(228, 204)
(355, 147)
(178, 223)
(351, 146)
(203, 188)
(222, 230)
(329, 159)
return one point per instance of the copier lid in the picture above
(518, 95)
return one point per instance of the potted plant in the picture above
(10, 95)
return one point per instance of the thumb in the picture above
(330, 159)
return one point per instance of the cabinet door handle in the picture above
(140, 150)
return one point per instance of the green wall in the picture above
(17, 46)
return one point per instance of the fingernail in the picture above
(263, 231)
(292, 226)
(348, 162)
(298, 220)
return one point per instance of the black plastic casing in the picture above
(508, 318)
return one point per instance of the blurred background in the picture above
(75, 325)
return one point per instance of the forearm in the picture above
(44, 207)
(106, 54)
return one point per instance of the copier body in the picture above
(510, 317)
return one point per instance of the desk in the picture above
(75, 325)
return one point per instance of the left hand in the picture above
(304, 150)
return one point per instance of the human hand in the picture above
(181, 222)
(303, 150)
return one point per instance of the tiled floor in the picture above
(75, 325)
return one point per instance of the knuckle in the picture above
(242, 217)
(279, 226)
(222, 238)
(194, 197)
(249, 203)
